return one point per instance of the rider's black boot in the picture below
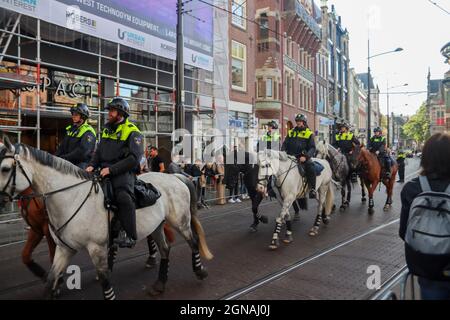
(124, 241)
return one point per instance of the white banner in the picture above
(73, 17)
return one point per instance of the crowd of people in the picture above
(425, 213)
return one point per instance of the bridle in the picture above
(267, 176)
(44, 196)
(13, 175)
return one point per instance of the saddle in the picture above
(145, 194)
(317, 166)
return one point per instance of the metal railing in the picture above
(398, 281)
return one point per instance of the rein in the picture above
(44, 196)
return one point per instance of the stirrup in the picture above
(124, 241)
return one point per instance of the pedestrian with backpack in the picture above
(425, 220)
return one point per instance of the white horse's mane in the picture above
(51, 161)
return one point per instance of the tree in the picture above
(418, 126)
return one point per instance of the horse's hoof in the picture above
(342, 208)
(334, 208)
(253, 228)
(371, 211)
(386, 208)
(201, 274)
(157, 289)
(151, 263)
(325, 221)
(314, 232)
(289, 239)
(363, 200)
(275, 244)
(264, 219)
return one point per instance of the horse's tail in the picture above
(195, 222)
(168, 232)
(329, 200)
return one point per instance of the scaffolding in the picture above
(153, 110)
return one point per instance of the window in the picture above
(239, 9)
(269, 87)
(261, 88)
(263, 27)
(238, 65)
(292, 90)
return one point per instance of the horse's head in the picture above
(13, 177)
(322, 150)
(268, 164)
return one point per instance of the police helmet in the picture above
(273, 124)
(378, 129)
(82, 109)
(120, 105)
(301, 117)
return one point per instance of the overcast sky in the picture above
(417, 26)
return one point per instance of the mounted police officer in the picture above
(345, 141)
(78, 145)
(401, 158)
(300, 144)
(118, 156)
(270, 140)
(377, 145)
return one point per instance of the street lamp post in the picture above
(369, 107)
(388, 116)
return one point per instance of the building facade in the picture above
(338, 64)
(288, 41)
(375, 116)
(242, 46)
(49, 65)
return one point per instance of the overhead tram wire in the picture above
(443, 9)
(244, 18)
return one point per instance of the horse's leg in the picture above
(321, 200)
(363, 191)
(349, 191)
(275, 243)
(99, 257)
(389, 189)
(257, 217)
(191, 236)
(152, 250)
(60, 262)
(371, 188)
(288, 239)
(33, 240)
(343, 203)
(296, 210)
(159, 239)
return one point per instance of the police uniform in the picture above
(78, 144)
(269, 141)
(121, 149)
(300, 143)
(401, 158)
(345, 142)
(379, 144)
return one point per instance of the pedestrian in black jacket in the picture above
(435, 161)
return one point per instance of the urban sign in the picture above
(144, 25)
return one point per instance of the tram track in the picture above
(274, 276)
(235, 294)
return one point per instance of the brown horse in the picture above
(33, 212)
(371, 175)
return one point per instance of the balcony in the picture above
(304, 15)
(302, 71)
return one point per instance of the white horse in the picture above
(291, 186)
(79, 220)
